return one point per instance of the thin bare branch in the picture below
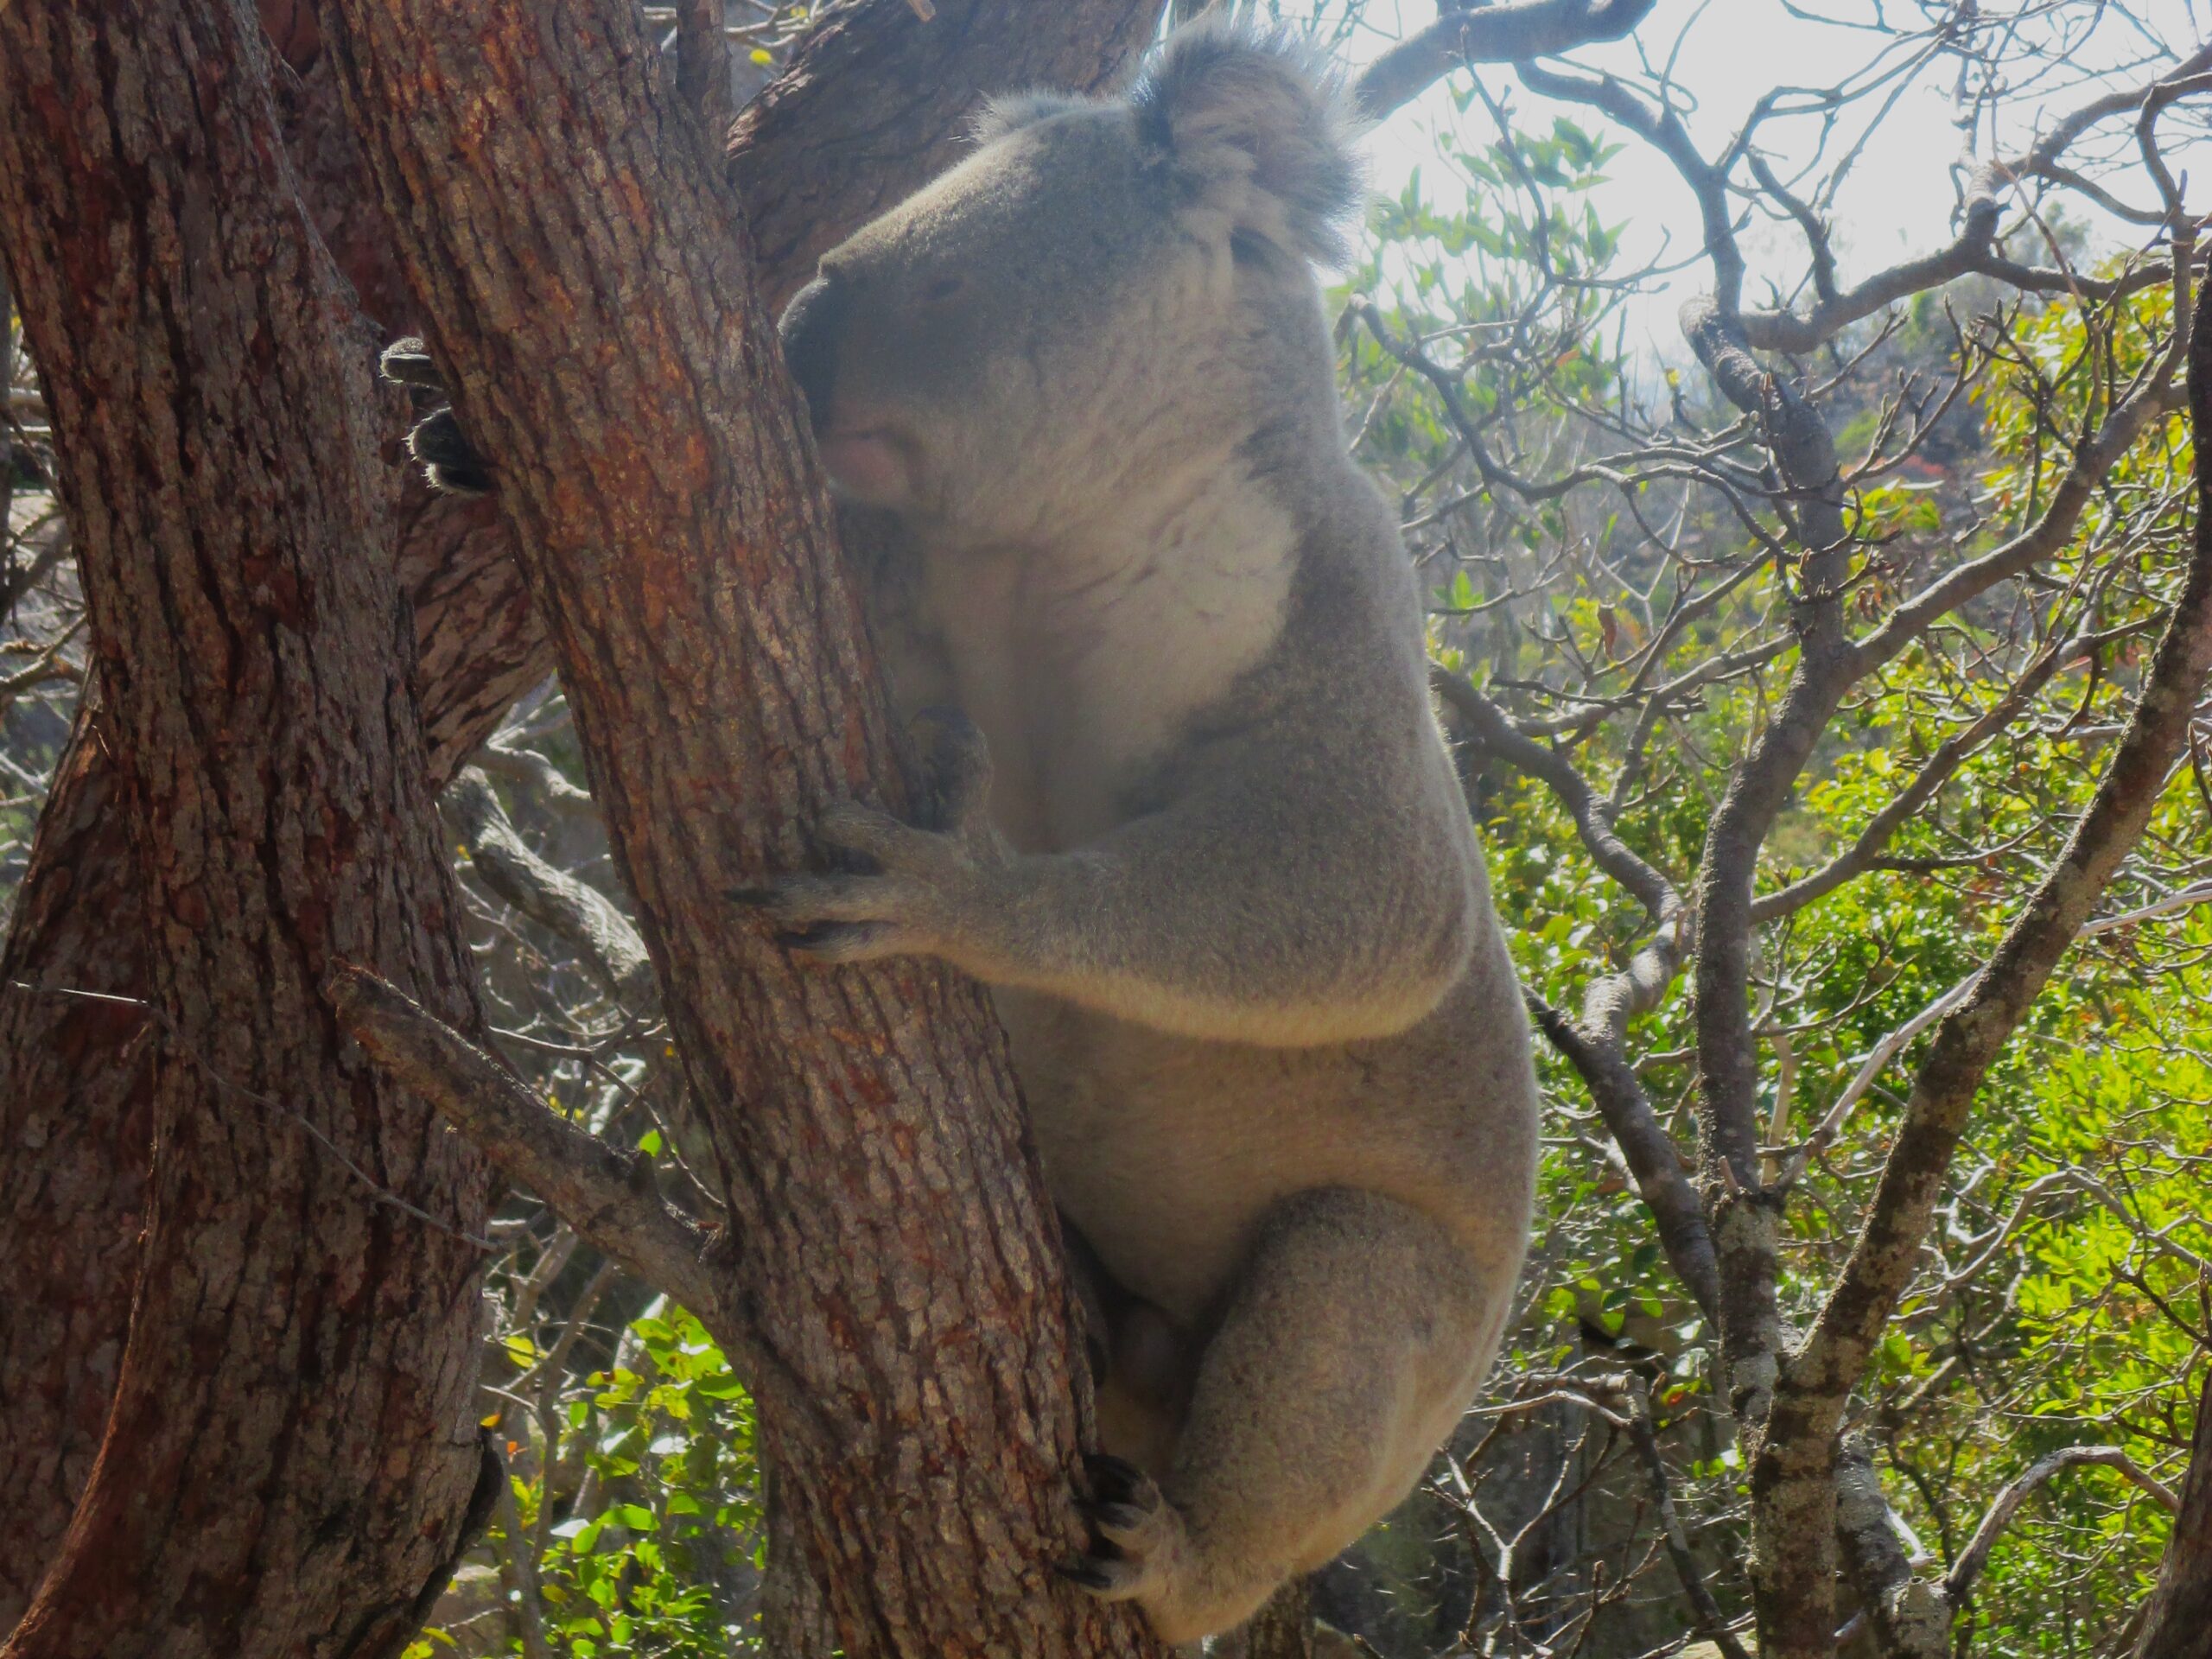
(1960, 1581)
(1507, 34)
(574, 909)
(606, 1194)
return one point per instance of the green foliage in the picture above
(646, 1540)
(2070, 1288)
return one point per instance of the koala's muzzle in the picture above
(862, 457)
(811, 326)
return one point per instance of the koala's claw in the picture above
(1082, 1571)
(929, 889)
(1140, 1534)
(450, 460)
(408, 363)
(1118, 1480)
(838, 918)
(839, 942)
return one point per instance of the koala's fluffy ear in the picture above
(1000, 116)
(1258, 128)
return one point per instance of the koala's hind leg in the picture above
(1353, 1340)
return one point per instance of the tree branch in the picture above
(2179, 1611)
(1866, 850)
(1607, 850)
(574, 909)
(1706, 1612)
(1507, 34)
(1909, 1616)
(1792, 1491)
(607, 1195)
(1958, 1582)
(703, 64)
(1649, 1150)
(1595, 1044)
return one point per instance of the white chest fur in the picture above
(1081, 662)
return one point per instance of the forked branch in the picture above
(607, 1195)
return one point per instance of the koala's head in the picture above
(1082, 293)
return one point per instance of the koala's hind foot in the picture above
(1354, 1338)
(1142, 1542)
(448, 459)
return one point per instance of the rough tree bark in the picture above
(2178, 1623)
(589, 288)
(290, 1457)
(843, 128)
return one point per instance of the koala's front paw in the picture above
(1142, 1541)
(448, 459)
(930, 891)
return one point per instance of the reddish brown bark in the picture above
(847, 131)
(289, 1457)
(2178, 1623)
(896, 1257)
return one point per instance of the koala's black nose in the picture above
(812, 323)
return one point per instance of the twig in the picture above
(1504, 33)
(1960, 1578)
(573, 909)
(607, 1195)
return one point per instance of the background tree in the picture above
(1819, 674)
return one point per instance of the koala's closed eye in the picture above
(944, 289)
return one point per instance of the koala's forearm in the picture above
(1168, 941)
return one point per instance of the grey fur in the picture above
(1216, 867)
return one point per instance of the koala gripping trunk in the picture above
(590, 293)
(858, 117)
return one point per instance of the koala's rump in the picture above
(1167, 1151)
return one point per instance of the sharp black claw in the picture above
(1084, 1574)
(1123, 1517)
(460, 480)
(754, 898)
(1115, 1479)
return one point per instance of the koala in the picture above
(1198, 832)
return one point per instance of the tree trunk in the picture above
(289, 1462)
(2178, 1623)
(590, 289)
(866, 111)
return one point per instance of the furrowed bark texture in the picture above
(867, 108)
(2177, 1624)
(590, 292)
(290, 1453)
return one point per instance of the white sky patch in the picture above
(1898, 198)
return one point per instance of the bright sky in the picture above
(1898, 198)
